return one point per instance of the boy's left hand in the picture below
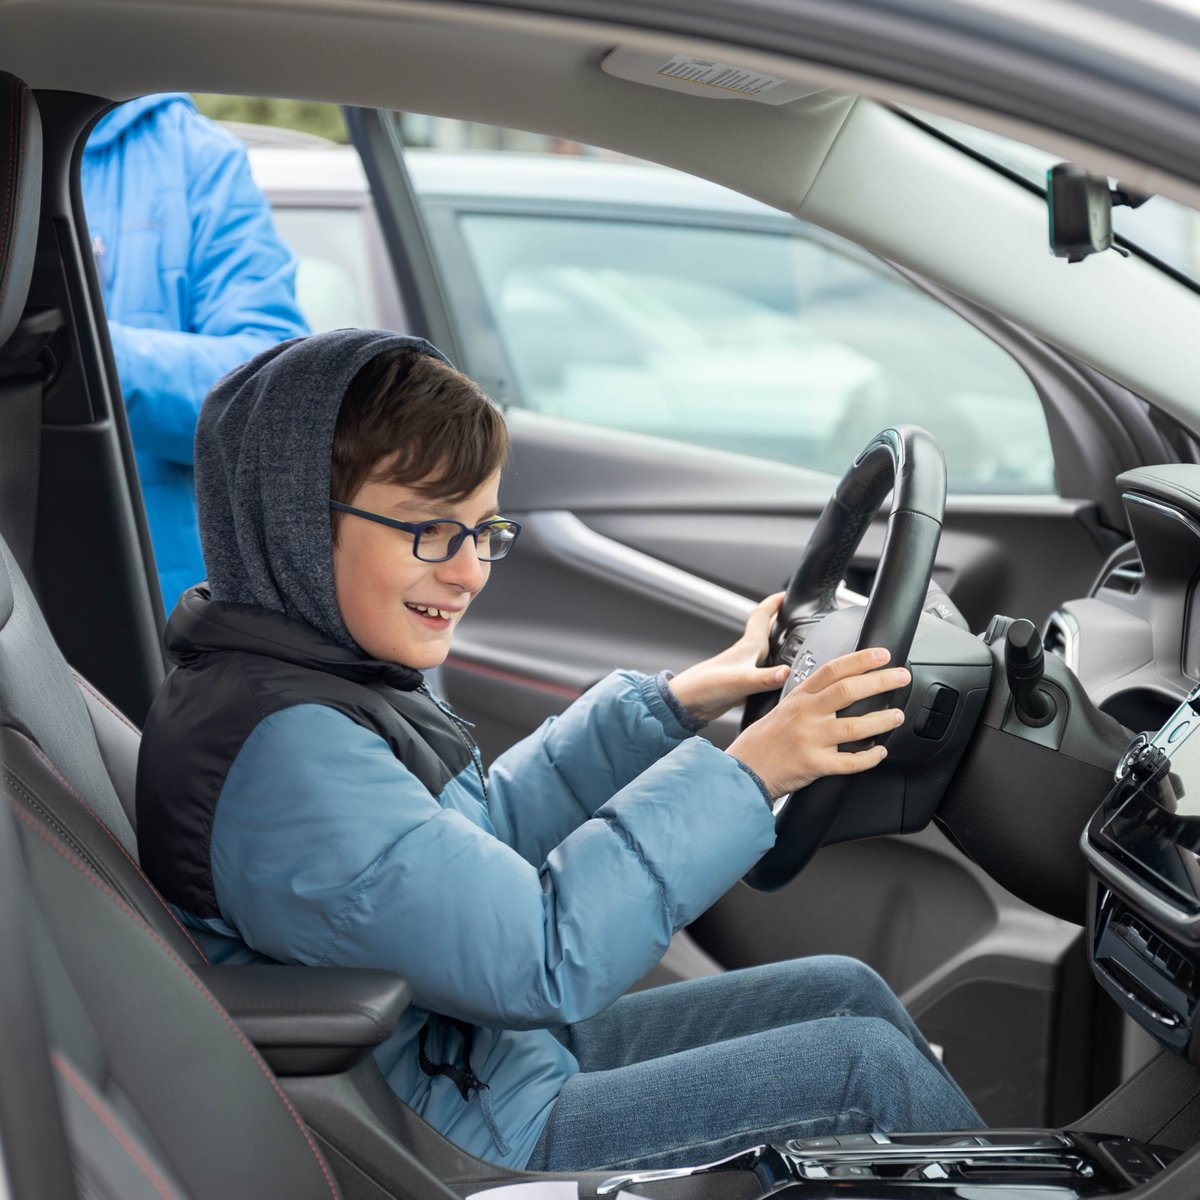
(714, 686)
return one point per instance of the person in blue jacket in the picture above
(195, 281)
(303, 797)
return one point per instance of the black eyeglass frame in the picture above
(417, 528)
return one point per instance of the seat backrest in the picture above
(36, 785)
(41, 696)
(161, 1093)
(70, 757)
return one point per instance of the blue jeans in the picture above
(694, 1071)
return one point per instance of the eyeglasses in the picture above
(440, 540)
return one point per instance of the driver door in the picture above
(684, 380)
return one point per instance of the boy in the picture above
(335, 812)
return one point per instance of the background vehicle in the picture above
(631, 296)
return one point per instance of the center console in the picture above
(1002, 1164)
(1143, 846)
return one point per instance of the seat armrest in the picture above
(310, 1020)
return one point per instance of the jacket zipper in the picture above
(462, 727)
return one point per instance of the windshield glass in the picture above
(1162, 228)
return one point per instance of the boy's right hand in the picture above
(797, 741)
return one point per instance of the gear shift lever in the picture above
(1024, 663)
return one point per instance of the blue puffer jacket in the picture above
(195, 281)
(525, 900)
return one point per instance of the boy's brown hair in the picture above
(411, 419)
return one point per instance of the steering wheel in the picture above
(811, 628)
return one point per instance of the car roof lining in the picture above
(545, 75)
(516, 69)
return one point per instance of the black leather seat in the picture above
(161, 1094)
(124, 1076)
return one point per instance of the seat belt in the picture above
(26, 368)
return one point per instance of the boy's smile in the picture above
(397, 607)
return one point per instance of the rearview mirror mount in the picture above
(1080, 209)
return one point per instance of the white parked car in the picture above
(633, 296)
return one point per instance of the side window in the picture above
(762, 340)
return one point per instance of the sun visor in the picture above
(703, 77)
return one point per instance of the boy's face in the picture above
(385, 593)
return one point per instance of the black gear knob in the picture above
(1024, 663)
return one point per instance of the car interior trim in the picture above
(1166, 509)
(571, 540)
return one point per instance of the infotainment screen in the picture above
(1151, 819)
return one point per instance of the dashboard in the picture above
(1135, 645)
(1134, 642)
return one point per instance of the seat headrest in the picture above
(20, 196)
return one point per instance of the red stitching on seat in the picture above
(115, 841)
(99, 884)
(109, 1121)
(112, 708)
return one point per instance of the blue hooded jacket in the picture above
(195, 281)
(528, 898)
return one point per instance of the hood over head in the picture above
(115, 122)
(264, 447)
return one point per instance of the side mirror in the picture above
(1080, 209)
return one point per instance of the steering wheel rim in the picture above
(907, 461)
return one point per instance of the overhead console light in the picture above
(705, 77)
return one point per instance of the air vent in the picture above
(1062, 638)
(1055, 640)
(1124, 576)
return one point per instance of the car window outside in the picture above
(762, 341)
(333, 269)
(703, 325)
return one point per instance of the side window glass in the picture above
(766, 341)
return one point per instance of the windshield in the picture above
(1161, 228)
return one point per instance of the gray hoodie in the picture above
(264, 446)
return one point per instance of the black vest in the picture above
(236, 665)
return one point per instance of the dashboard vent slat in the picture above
(1125, 576)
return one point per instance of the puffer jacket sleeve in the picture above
(545, 785)
(240, 298)
(326, 850)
